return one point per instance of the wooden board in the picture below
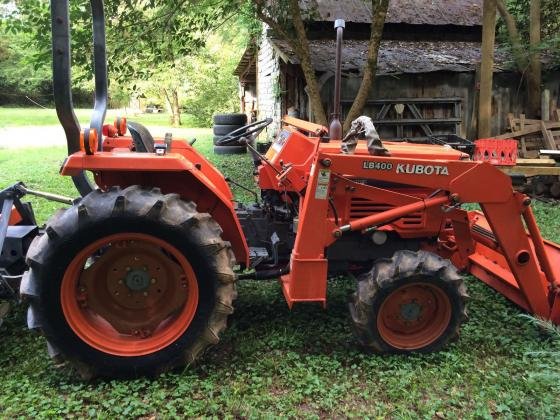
(547, 136)
(531, 170)
(529, 129)
(549, 152)
(536, 162)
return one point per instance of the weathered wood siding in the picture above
(509, 95)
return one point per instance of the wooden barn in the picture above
(427, 69)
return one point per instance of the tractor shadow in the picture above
(263, 323)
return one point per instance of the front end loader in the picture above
(138, 276)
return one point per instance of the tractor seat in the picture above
(141, 137)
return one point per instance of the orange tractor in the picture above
(138, 275)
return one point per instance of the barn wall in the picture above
(428, 85)
(294, 98)
(269, 88)
(509, 95)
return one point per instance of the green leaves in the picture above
(139, 33)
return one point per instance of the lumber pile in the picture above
(533, 135)
(541, 176)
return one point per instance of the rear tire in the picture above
(230, 150)
(184, 260)
(412, 302)
(230, 119)
(218, 138)
(222, 130)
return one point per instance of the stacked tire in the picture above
(225, 124)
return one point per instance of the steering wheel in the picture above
(245, 131)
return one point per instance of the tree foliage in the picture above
(212, 87)
(150, 39)
(519, 16)
(150, 44)
(519, 9)
(530, 29)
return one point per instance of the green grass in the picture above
(38, 169)
(300, 363)
(19, 117)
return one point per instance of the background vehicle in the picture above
(153, 109)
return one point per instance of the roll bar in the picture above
(62, 78)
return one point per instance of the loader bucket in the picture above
(489, 264)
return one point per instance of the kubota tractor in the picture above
(138, 275)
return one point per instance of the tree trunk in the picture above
(307, 66)
(534, 76)
(514, 38)
(313, 91)
(379, 13)
(172, 98)
(175, 109)
(486, 68)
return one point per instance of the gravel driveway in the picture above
(33, 136)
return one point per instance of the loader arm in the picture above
(495, 246)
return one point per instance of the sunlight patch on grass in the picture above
(20, 117)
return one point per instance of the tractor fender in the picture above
(193, 178)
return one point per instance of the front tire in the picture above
(130, 282)
(412, 302)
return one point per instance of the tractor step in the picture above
(257, 255)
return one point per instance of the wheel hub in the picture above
(411, 311)
(134, 286)
(137, 280)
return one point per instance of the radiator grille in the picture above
(360, 207)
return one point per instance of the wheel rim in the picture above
(414, 316)
(129, 294)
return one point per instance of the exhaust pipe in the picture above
(62, 78)
(335, 129)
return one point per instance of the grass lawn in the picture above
(19, 117)
(300, 363)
